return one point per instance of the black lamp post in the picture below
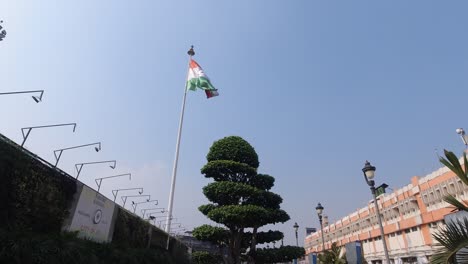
(319, 210)
(99, 180)
(369, 173)
(296, 227)
(79, 166)
(60, 151)
(37, 99)
(25, 136)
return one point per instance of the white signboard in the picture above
(93, 216)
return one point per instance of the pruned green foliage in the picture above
(265, 199)
(278, 255)
(204, 257)
(277, 216)
(226, 170)
(263, 181)
(269, 236)
(233, 148)
(238, 216)
(216, 235)
(240, 198)
(227, 193)
(206, 208)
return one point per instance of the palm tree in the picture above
(454, 237)
(332, 256)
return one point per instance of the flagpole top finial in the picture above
(191, 52)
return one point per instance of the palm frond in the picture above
(451, 161)
(452, 239)
(455, 202)
(465, 161)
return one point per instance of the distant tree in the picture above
(240, 199)
(2, 32)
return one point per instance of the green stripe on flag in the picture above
(200, 82)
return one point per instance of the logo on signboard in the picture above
(97, 216)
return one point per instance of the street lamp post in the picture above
(134, 205)
(179, 224)
(369, 173)
(99, 180)
(79, 166)
(150, 214)
(461, 132)
(115, 192)
(124, 198)
(319, 210)
(160, 222)
(60, 151)
(37, 99)
(143, 211)
(25, 136)
(155, 217)
(296, 227)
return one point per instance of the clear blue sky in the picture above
(317, 87)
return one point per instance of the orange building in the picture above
(410, 216)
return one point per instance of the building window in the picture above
(409, 260)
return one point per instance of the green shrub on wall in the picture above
(36, 199)
(132, 232)
(34, 196)
(129, 230)
(59, 248)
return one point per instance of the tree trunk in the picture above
(223, 256)
(235, 245)
(232, 247)
(253, 246)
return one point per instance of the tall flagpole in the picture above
(176, 160)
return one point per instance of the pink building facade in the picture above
(410, 216)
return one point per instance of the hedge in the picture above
(36, 198)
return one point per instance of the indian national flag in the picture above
(197, 78)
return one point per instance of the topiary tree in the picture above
(271, 202)
(240, 199)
